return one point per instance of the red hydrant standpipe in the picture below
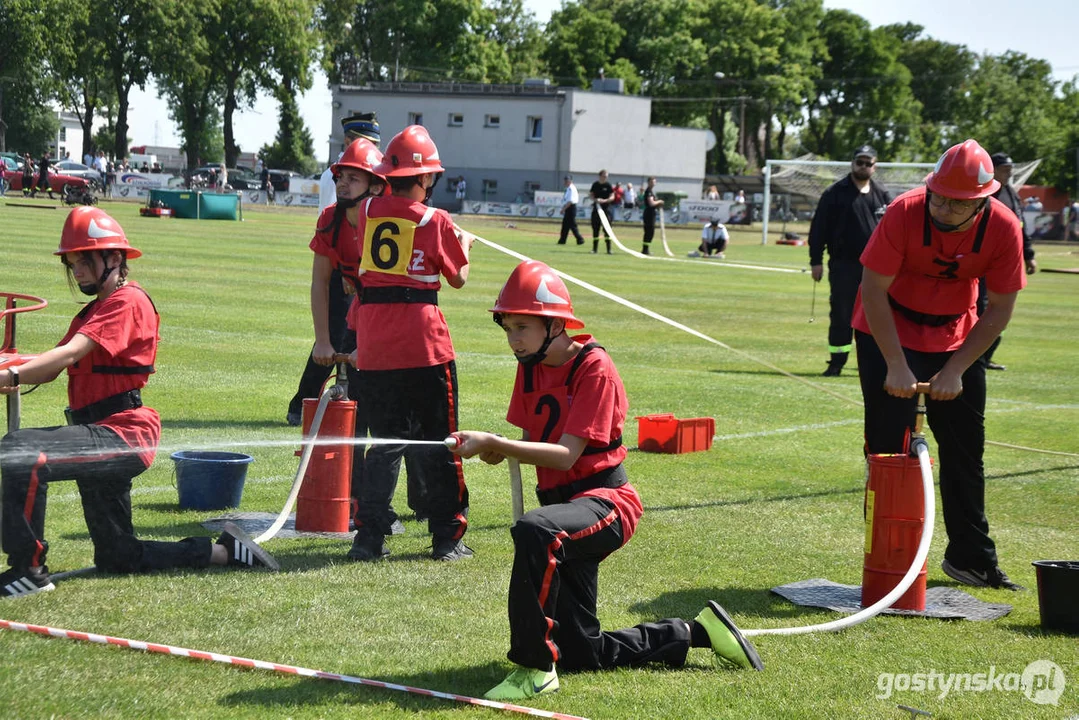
(323, 503)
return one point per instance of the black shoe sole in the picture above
(747, 647)
(244, 539)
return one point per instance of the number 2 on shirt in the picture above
(387, 245)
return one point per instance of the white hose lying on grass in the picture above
(920, 446)
(334, 392)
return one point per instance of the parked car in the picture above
(57, 181)
(77, 169)
(241, 179)
(279, 179)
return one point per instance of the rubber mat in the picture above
(256, 523)
(940, 602)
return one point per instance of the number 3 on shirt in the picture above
(387, 245)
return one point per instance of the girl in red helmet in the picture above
(405, 359)
(569, 402)
(916, 320)
(108, 353)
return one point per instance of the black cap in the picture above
(364, 125)
(864, 151)
(1001, 159)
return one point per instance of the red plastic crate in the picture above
(664, 433)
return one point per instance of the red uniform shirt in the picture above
(125, 327)
(342, 250)
(941, 279)
(404, 243)
(593, 406)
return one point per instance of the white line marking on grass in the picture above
(788, 430)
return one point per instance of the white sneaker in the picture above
(693, 253)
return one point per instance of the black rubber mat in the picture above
(940, 602)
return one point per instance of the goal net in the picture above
(793, 187)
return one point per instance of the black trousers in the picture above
(314, 377)
(649, 229)
(412, 404)
(844, 277)
(102, 465)
(552, 595)
(958, 432)
(569, 224)
(596, 224)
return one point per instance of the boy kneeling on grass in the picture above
(569, 401)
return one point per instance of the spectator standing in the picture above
(461, 191)
(571, 406)
(357, 125)
(1002, 171)
(268, 188)
(651, 207)
(630, 200)
(404, 355)
(847, 213)
(570, 198)
(601, 193)
(712, 194)
(88, 159)
(222, 178)
(619, 195)
(916, 320)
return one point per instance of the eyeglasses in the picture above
(959, 207)
(865, 163)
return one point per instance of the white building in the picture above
(508, 141)
(68, 137)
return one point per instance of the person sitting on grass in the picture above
(714, 239)
(569, 401)
(108, 352)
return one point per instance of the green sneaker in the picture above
(728, 643)
(524, 683)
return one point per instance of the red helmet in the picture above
(360, 154)
(411, 152)
(535, 289)
(89, 228)
(964, 172)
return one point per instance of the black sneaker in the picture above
(294, 419)
(995, 366)
(17, 583)
(832, 371)
(368, 548)
(448, 550)
(243, 551)
(993, 578)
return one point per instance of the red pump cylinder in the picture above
(323, 503)
(894, 518)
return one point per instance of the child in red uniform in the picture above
(108, 353)
(405, 359)
(916, 320)
(569, 401)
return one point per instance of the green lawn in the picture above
(777, 499)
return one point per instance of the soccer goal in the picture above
(808, 177)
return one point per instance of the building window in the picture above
(535, 129)
(457, 119)
(63, 133)
(415, 118)
(490, 187)
(492, 121)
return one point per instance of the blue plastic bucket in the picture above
(210, 480)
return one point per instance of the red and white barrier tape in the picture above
(276, 667)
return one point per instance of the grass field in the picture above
(777, 499)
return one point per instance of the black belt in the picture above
(922, 318)
(397, 294)
(613, 477)
(96, 412)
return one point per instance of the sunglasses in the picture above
(958, 207)
(865, 163)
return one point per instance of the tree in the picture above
(518, 32)
(22, 87)
(580, 42)
(190, 76)
(293, 148)
(243, 34)
(127, 30)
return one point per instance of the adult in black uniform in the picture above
(1002, 171)
(846, 215)
(649, 216)
(43, 176)
(602, 195)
